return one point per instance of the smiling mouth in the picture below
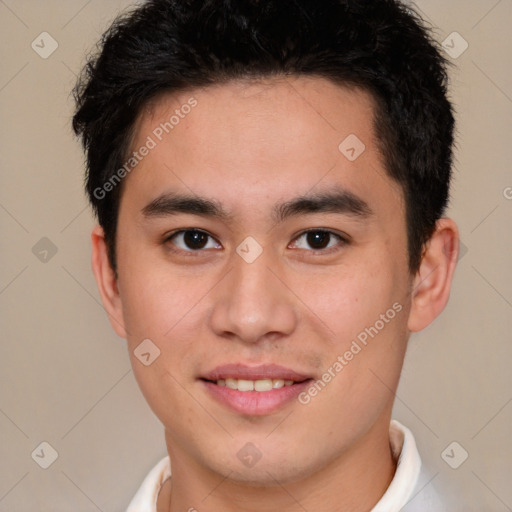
(260, 385)
(255, 390)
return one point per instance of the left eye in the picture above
(319, 239)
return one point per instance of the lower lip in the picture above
(256, 403)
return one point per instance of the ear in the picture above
(106, 281)
(432, 283)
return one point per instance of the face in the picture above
(287, 263)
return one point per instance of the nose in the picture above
(253, 302)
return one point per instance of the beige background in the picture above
(66, 377)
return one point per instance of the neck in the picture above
(354, 481)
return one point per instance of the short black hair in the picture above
(380, 46)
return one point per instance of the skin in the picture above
(249, 145)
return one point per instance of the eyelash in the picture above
(319, 252)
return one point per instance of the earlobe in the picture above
(106, 281)
(432, 283)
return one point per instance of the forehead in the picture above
(311, 107)
(249, 141)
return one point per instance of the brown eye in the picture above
(190, 240)
(320, 240)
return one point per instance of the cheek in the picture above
(163, 306)
(155, 299)
(364, 311)
(352, 299)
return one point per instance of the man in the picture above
(270, 180)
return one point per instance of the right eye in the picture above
(192, 240)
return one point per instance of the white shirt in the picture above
(409, 491)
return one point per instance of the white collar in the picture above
(403, 447)
(400, 490)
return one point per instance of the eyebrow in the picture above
(335, 200)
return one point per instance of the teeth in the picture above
(245, 385)
(278, 383)
(231, 383)
(254, 385)
(262, 385)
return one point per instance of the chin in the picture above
(267, 476)
(266, 472)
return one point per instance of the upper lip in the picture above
(264, 371)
